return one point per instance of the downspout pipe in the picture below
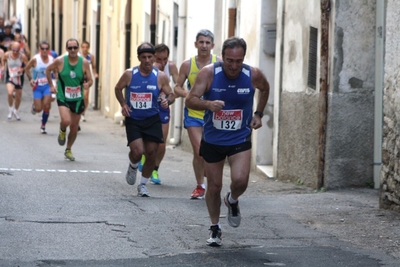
(379, 75)
(153, 23)
(323, 91)
(178, 104)
(231, 18)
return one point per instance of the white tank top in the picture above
(39, 72)
(166, 70)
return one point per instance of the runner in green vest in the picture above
(74, 77)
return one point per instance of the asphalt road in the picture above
(55, 212)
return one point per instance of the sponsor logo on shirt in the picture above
(243, 91)
(151, 87)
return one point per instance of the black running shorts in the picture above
(75, 106)
(215, 153)
(149, 129)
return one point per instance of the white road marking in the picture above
(52, 170)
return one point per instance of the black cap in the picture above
(8, 26)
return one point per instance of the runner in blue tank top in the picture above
(228, 89)
(143, 84)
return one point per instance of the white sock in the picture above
(133, 165)
(231, 200)
(144, 180)
(203, 186)
(11, 108)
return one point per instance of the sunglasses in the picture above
(72, 47)
(44, 48)
(15, 50)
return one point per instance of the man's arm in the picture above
(53, 67)
(4, 61)
(201, 86)
(87, 74)
(94, 67)
(31, 63)
(260, 82)
(123, 82)
(183, 73)
(166, 88)
(173, 71)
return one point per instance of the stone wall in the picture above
(390, 173)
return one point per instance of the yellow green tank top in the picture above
(193, 71)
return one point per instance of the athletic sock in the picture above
(231, 200)
(45, 116)
(144, 180)
(156, 168)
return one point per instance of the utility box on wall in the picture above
(269, 39)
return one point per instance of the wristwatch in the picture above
(259, 113)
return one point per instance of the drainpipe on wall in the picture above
(153, 22)
(323, 90)
(178, 104)
(98, 28)
(232, 21)
(379, 74)
(84, 22)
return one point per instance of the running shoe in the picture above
(142, 190)
(83, 118)
(131, 175)
(33, 110)
(233, 212)
(16, 114)
(79, 128)
(43, 130)
(215, 239)
(10, 115)
(198, 193)
(154, 179)
(68, 155)
(61, 137)
(141, 163)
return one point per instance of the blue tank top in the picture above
(231, 125)
(142, 94)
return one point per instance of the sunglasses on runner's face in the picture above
(72, 47)
(44, 48)
(15, 50)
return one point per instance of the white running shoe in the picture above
(233, 212)
(142, 190)
(131, 175)
(215, 239)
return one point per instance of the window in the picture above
(312, 58)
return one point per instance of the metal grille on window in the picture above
(312, 58)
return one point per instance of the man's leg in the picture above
(155, 179)
(65, 115)
(10, 90)
(240, 170)
(214, 187)
(150, 151)
(10, 98)
(136, 150)
(195, 134)
(73, 129)
(46, 111)
(18, 95)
